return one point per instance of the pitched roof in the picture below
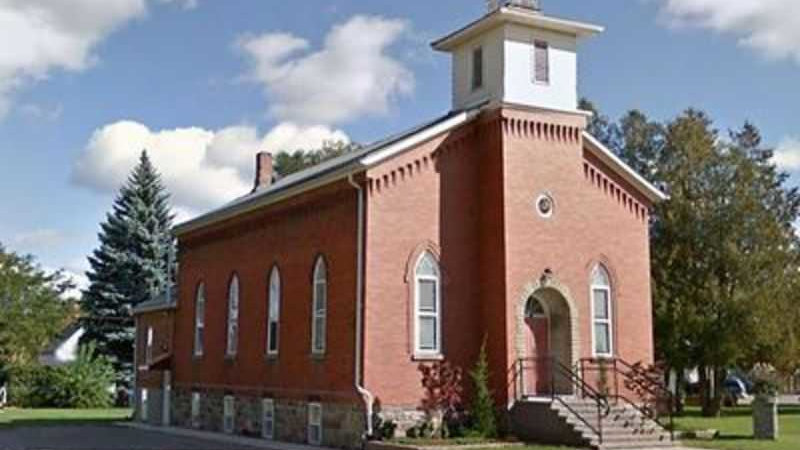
(605, 154)
(351, 163)
(331, 170)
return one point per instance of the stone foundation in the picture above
(404, 417)
(342, 423)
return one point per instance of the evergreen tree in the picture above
(484, 421)
(132, 264)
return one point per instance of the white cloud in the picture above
(38, 239)
(40, 36)
(185, 4)
(201, 168)
(351, 75)
(768, 26)
(787, 155)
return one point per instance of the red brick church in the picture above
(304, 309)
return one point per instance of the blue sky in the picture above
(206, 83)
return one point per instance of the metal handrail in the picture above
(601, 401)
(653, 388)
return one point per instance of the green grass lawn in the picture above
(43, 417)
(736, 430)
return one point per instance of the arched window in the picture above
(199, 319)
(274, 311)
(602, 314)
(233, 317)
(319, 305)
(427, 306)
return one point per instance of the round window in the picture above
(545, 205)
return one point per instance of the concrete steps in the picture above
(623, 428)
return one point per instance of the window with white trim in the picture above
(233, 317)
(427, 306)
(199, 320)
(274, 312)
(541, 62)
(319, 305)
(314, 423)
(268, 418)
(148, 352)
(477, 68)
(228, 413)
(144, 407)
(602, 314)
(195, 410)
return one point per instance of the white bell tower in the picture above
(516, 55)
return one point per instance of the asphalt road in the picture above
(101, 437)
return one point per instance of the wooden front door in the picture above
(537, 369)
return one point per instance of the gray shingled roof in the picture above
(349, 160)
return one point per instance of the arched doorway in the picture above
(537, 367)
(548, 344)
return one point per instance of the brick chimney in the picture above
(263, 170)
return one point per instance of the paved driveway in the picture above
(101, 437)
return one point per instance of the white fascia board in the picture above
(419, 138)
(265, 200)
(597, 148)
(512, 15)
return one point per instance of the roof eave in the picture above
(512, 15)
(605, 154)
(266, 200)
(144, 309)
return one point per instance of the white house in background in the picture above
(64, 348)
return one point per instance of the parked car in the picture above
(737, 391)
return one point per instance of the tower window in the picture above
(477, 68)
(541, 62)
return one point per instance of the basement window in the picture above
(195, 410)
(314, 423)
(268, 418)
(228, 413)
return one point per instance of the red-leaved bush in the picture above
(443, 393)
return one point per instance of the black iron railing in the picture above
(549, 377)
(649, 389)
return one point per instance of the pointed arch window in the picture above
(233, 317)
(427, 306)
(319, 306)
(274, 312)
(199, 320)
(602, 314)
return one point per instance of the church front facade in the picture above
(305, 309)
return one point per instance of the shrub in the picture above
(482, 410)
(82, 384)
(32, 386)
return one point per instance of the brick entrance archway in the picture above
(561, 319)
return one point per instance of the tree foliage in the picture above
(83, 383)
(724, 248)
(287, 163)
(482, 411)
(32, 310)
(443, 385)
(132, 264)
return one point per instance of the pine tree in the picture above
(484, 421)
(132, 264)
